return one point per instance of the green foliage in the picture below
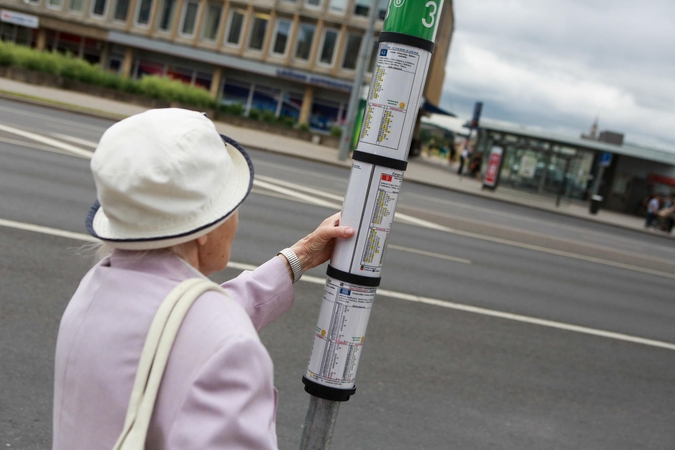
(269, 117)
(71, 67)
(236, 109)
(336, 131)
(303, 127)
(254, 114)
(286, 121)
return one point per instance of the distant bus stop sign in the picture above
(478, 107)
(494, 164)
(605, 159)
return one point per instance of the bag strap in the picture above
(156, 350)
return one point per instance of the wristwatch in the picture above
(294, 262)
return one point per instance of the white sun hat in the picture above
(164, 177)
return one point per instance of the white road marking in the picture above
(430, 254)
(52, 118)
(402, 217)
(393, 294)
(75, 140)
(301, 188)
(75, 151)
(47, 230)
(293, 194)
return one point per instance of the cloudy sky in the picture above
(557, 64)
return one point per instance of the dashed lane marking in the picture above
(396, 295)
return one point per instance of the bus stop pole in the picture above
(404, 54)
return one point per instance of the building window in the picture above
(337, 6)
(235, 26)
(313, 4)
(281, 34)
(143, 13)
(291, 105)
(187, 27)
(351, 51)
(258, 29)
(121, 10)
(265, 99)
(328, 47)
(212, 21)
(236, 92)
(54, 4)
(76, 6)
(382, 6)
(361, 7)
(166, 15)
(304, 41)
(98, 8)
(324, 114)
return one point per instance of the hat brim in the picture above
(99, 226)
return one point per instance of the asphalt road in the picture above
(552, 360)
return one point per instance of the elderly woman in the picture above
(168, 188)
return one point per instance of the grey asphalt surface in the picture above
(430, 377)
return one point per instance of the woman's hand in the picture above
(317, 247)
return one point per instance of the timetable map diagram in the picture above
(389, 97)
(380, 223)
(340, 333)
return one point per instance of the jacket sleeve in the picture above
(265, 293)
(231, 403)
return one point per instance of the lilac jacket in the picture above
(217, 391)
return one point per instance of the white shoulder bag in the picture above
(153, 360)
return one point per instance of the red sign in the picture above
(661, 179)
(387, 177)
(492, 171)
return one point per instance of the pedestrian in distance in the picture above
(169, 188)
(653, 206)
(463, 157)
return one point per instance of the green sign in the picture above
(414, 17)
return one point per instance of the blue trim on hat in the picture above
(89, 221)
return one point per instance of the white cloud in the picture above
(558, 64)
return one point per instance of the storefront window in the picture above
(235, 27)
(292, 103)
(258, 30)
(235, 91)
(352, 51)
(328, 47)
(265, 99)
(281, 35)
(324, 114)
(166, 15)
(304, 42)
(145, 67)
(189, 18)
(212, 21)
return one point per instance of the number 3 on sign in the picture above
(432, 15)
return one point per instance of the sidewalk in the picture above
(420, 170)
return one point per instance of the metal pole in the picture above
(319, 424)
(355, 97)
(380, 160)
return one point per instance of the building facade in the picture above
(296, 58)
(550, 164)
